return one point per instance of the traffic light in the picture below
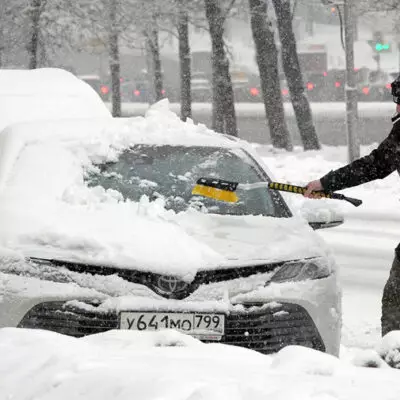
(382, 47)
(378, 43)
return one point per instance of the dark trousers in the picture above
(390, 319)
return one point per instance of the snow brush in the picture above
(222, 190)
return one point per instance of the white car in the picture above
(100, 231)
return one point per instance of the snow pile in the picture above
(168, 365)
(389, 349)
(47, 93)
(385, 355)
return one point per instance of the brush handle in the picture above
(284, 187)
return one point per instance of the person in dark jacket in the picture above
(377, 165)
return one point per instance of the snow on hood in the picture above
(48, 211)
(145, 236)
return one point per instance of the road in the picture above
(329, 119)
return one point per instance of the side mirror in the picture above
(321, 216)
(323, 225)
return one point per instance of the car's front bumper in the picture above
(265, 318)
(265, 328)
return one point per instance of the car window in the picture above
(170, 173)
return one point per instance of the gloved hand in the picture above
(313, 186)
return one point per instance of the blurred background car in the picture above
(201, 87)
(246, 85)
(101, 88)
(377, 87)
(135, 91)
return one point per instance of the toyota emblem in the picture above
(169, 284)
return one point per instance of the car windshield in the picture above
(171, 172)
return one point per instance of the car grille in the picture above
(61, 317)
(268, 330)
(262, 328)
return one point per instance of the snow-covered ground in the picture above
(171, 366)
(167, 365)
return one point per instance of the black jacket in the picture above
(377, 165)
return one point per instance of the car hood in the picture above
(147, 237)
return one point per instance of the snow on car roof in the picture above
(40, 94)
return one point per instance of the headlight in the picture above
(301, 271)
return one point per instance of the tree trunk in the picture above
(294, 77)
(267, 60)
(2, 46)
(115, 66)
(224, 116)
(43, 59)
(150, 71)
(34, 12)
(155, 59)
(184, 61)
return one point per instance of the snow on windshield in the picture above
(170, 173)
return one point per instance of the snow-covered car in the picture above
(100, 230)
(46, 93)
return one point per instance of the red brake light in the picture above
(338, 84)
(310, 86)
(163, 91)
(365, 90)
(254, 91)
(388, 86)
(325, 73)
(285, 92)
(104, 89)
(136, 92)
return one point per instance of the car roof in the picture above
(27, 95)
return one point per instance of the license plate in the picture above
(201, 325)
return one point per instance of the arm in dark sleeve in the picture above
(377, 165)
